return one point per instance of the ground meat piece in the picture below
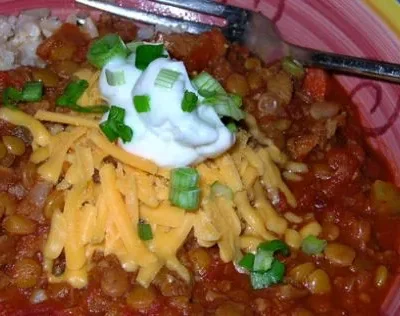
(64, 293)
(346, 168)
(4, 280)
(32, 108)
(220, 69)
(112, 24)
(8, 178)
(301, 146)
(237, 56)
(196, 51)
(7, 249)
(326, 129)
(28, 246)
(97, 302)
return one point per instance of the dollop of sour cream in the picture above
(166, 134)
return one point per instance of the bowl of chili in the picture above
(366, 144)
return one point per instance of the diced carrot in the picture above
(316, 83)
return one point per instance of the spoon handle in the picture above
(347, 64)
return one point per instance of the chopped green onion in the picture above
(132, 46)
(184, 178)
(72, 93)
(263, 260)
(115, 78)
(274, 275)
(11, 97)
(145, 54)
(247, 261)
(226, 106)
(106, 48)
(166, 78)
(232, 127)
(109, 130)
(312, 245)
(144, 231)
(116, 114)
(142, 103)
(275, 246)
(184, 188)
(100, 109)
(237, 100)
(206, 93)
(189, 101)
(219, 189)
(32, 91)
(207, 84)
(264, 268)
(114, 127)
(125, 132)
(186, 199)
(293, 67)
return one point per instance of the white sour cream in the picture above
(166, 135)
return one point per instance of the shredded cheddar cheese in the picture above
(103, 215)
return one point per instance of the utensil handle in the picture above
(347, 64)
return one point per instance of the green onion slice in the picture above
(72, 93)
(312, 245)
(114, 127)
(132, 46)
(115, 78)
(189, 101)
(96, 109)
(109, 130)
(11, 97)
(186, 199)
(274, 275)
(184, 178)
(219, 189)
(226, 106)
(247, 261)
(263, 260)
(232, 127)
(116, 114)
(207, 85)
(237, 100)
(32, 91)
(142, 103)
(125, 132)
(206, 93)
(166, 78)
(106, 48)
(275, 246)
(144, 231)
(293, 67)
(145, 54)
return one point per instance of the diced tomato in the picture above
(211, 45)
(67, 43)
(316, 83)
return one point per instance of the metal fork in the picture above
(254, 31)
